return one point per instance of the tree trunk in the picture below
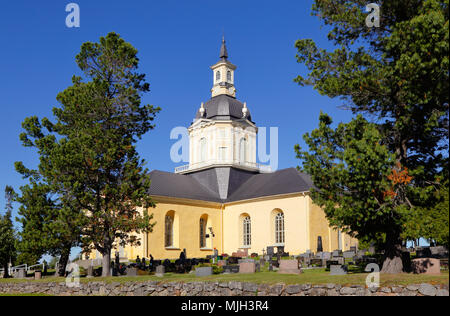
(6, 273)
(63, 260)
(106, 262)
(393, 258)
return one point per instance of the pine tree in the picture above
(396, 75)
(88, 156)
(7, 234)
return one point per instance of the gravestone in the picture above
(222, 263)
(246, 260)
(338, 270)
(257, 267)
(326, 255)
(131, 272)
(216, 254)
(90, 272)
(353, 248)
(20, 274)
(231, 269)
(270, 251)
(289, 267)
(426, 266)
(204, 271)
(247, 267)
(233, 260)
(160, 270)
(439, 252)
(240, 254)
(316, 262)
(348, 254)
(337, 253)
(319, 244)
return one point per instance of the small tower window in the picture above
(229, 76)
(218, 76)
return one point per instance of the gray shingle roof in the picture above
(236, 186)
(224, 107)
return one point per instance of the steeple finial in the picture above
(223, 50)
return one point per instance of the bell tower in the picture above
(223, 75)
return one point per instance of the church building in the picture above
(224, 199)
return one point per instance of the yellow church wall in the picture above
(319, 227)
(295, 209)
(330, 236)
(187, 232)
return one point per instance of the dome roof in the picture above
(224, 108)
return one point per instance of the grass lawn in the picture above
(315, 276)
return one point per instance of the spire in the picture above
(223, 50)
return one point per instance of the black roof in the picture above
(224, 108)
(225, 186)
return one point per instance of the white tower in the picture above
(223, 133)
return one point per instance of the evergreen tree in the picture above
(7, 234)
(396, 75)
(88, 156)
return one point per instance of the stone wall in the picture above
(218, 289)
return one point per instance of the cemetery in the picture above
(325, 272)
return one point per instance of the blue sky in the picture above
(177, 42)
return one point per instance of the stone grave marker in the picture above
(160, 270)
(233, 260)
(90, 271)
(231, 269)
(326, 255)
(247, 267)
(426, 266)
(289, 267)
(270, 251)
(338, 270)
(131, 272)
(20, 274)
(204, 271)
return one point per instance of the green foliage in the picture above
(7, 232)
(350, 167)
(383, 183)
(88, 157)
(217, 269)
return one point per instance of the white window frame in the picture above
(279, 229)
(247, 231)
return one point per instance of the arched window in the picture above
(243, 151)
(202, 233)
(247, 233)
(168, 238)
(229, 76)
(279, 228)
(217, 75)
(203, 149)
